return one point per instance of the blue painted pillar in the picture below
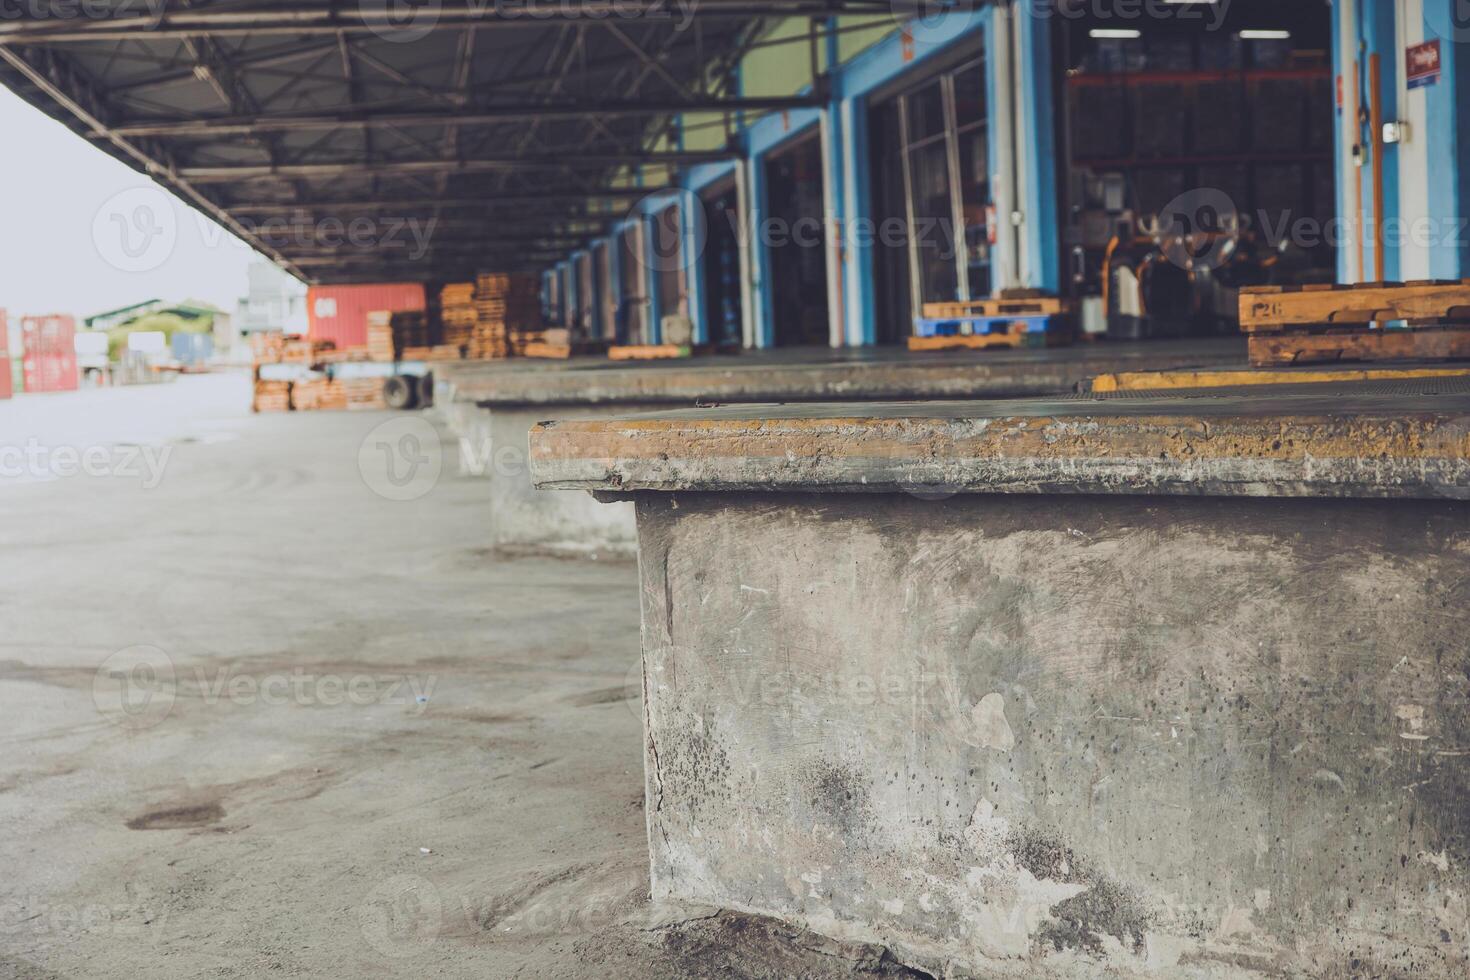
(859, 229)
(1447, 138)
(569, 291)
(765, 321)
(1378, 35)
(693, 238)
(833, 237)
(615, 280)
(1036, 138)
(650, 277)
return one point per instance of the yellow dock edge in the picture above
(1165, 380)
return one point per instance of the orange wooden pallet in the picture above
(1021, 306)
(1323, 323)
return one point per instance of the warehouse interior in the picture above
(763, 488)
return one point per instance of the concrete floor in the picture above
(340, 680)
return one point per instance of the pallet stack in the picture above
(457, 314)
(1022, 321)
(438, 352)
(1323, 323)
(410, 329)
(380, 336)
(271, 396)
(362, 393)
(506, 307)
(318, 394)
(267, 346)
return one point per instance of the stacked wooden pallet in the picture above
(438, 352)
(267, 346)
(457, 313)
(271, 396)
(558, 342)
(380, 336)
(1374, 321)
(410, 329)
(318, 394)
(363, 393)
(1025, 321)
(506, 306)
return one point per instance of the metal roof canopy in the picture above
(252, 108)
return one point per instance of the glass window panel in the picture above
(975, 198)
(969, 94)
(933, 232)
(926, 112)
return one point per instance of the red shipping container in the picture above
(5, 383)
(49, 358)
(339, 313)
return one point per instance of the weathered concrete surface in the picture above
(1308, 440)
(491, 405)
(270, 828)
(1081, 736)
(818, 374)
(525, 519)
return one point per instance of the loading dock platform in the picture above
(491, 406)
(1158, 685)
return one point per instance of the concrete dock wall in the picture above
(1054, 736)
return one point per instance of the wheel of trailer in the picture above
(426, 390)
(400, 392)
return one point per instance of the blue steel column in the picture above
(650, 276)
(859, 231)
(764, 316)
(1379, 36)
(1447, 139)
(615, 279)
(692, 239)
(1036, 134)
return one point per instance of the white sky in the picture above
(60, 224)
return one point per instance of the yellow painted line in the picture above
(1163, 380)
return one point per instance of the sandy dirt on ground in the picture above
(267, 709)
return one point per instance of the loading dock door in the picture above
(586, 306)
(607, 302)
(1214, 124)
(723, 299)
(794, 236)
(632, 319)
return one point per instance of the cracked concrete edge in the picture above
(1421, 456)
(756, 381)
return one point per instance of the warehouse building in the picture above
(1073, 144)
(949, 654)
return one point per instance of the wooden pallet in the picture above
(1442, 343)
(1273, 309)
(994, 308)
(1328, 323)
(552, 349)
(1015, 337)
(648, 352)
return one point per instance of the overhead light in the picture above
(1265, 35)
(1109, 32)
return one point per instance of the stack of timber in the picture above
(363, 393)
(559, 342)
(267, 346)
(1028, 321)
(1321, 323)
(457, 313)
(506, 307)
(318, 394)
(380, 336)
(271, 396)
(410, 329)
(438, 352)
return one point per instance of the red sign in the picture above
(1422, 64)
